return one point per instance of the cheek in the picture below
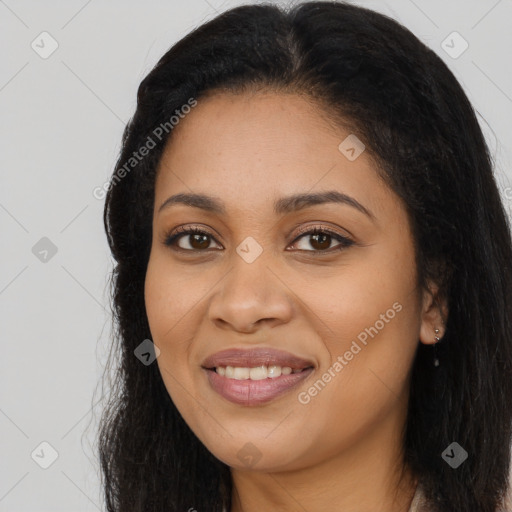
(171, 297)
(176, 301)
(166, 303)
(364, 380)
(170, 301)
(369, 316)
(365, 294)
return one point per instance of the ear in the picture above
(433, 316)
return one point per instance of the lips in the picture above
(252, 358)
(251, 393)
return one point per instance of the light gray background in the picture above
(60, 126)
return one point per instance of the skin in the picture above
(344, 445)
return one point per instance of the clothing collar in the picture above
(418, 502)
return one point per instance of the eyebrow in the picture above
(281, 206)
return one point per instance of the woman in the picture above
(306, 225)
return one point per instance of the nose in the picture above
(251, 296)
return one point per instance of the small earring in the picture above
(437, 338)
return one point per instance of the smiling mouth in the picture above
(257, 372)
(255, 386)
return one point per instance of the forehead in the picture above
(252, 148)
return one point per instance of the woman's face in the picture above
(255, 288)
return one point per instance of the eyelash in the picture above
(345, 242)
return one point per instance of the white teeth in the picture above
(241, 373)
(256, 373)
(274, 371)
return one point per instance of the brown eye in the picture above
(197, 239)
(320, 240)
